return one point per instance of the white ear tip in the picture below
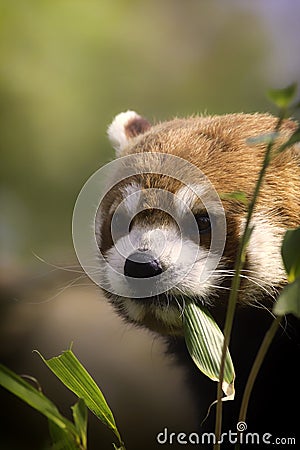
(116, 130)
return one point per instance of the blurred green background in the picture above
(66, 69)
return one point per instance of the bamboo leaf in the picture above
(73, 375)
(37, 400)
(266, 139)
(238, 196)
(80, 419)
(288, 301)
(290, 252)
(204, 341)
(283, 97)
(60, 439)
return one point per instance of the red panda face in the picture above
(164, 228)
(163, 240)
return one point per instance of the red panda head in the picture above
(167, 231)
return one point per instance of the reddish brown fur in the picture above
(218, 146)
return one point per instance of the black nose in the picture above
(142, 265)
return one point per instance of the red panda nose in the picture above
(142, 265)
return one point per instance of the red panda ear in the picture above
(124, 127)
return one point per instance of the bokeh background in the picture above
(66, 69)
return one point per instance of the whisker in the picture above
(60, 291)
(180, 307)
(220, 287)
(56, 267)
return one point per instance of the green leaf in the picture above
(291, 141)
(239, 196)
(80, 419)
(204, 341)
(283, 97)
(289, 300)
(267, 138)
(290, 252)
(61, 439)
(36, 399)
(73, 375)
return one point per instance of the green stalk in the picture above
(236, 280)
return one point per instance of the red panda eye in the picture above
(203, 222)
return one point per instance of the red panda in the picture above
(140, 240)
(221, 148)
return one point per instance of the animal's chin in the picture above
(162, 313)
(151, 322)
(162, 300)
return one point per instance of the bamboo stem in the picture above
(236, 280)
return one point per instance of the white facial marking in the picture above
(175, 254)
(264, 253)
(187, 196)
(132, 195)
(186, 199)
(188, 267)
